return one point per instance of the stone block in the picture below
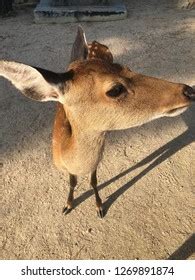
(63, 11)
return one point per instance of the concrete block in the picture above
(63, 11)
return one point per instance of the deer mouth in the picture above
(176, 111)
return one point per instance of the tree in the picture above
(5, 6)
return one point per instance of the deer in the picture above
(94, 95)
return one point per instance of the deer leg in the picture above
(93, 183)
(73, 183)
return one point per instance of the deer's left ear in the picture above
(36, 83)
(80, 47)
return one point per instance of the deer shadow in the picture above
(156, 158)
(185, 250)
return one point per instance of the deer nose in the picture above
(189, 92)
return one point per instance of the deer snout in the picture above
(189, 92)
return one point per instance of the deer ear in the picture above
(35, 83)
(97, 50)
(80, 47)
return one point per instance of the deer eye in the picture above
(116, 91)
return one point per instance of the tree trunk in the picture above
(5, 6)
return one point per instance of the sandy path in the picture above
(149, 206)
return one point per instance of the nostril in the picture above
(189, 92)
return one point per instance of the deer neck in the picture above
(80, 150)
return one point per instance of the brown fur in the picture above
(97, 50)
(87, 110)
(88, 113)
(61, 135)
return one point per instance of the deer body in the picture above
(95, 95)
(74, 149)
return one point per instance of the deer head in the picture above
(98, 94)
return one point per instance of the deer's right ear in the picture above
(100, 51)
(80, 47)
(36, 83)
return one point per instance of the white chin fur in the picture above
(176, 112)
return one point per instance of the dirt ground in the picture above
(146, 177)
